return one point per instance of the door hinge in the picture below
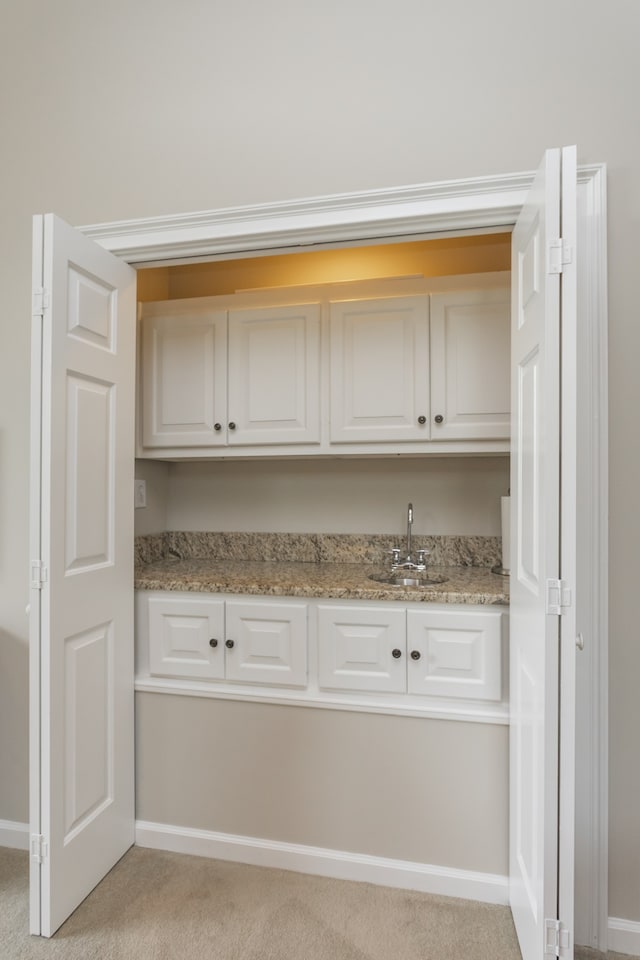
(558, 597)
(39, 848)
(559, 252)
(40, 302)
(38, 574)
(556, 938)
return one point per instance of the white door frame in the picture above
(457, 206)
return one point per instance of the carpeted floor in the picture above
(161, 906)
(166, 906)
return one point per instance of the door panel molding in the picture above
(81, 613)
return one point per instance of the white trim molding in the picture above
(464, 712)
(592, 815)
(624, 936)
(14, 835)
(480, 204)
(319, 861)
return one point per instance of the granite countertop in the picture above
(343, 581)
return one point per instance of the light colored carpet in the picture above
(585, 953)
(165, 906)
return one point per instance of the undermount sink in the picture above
(399, 580)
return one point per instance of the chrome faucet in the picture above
(409, 526)
(408, 563)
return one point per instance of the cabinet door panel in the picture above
(470, 358)
(269, 643)
(355, 649)
(184, 362)
(274, 375)
(380, 370)
(459, 654)
(180, 635)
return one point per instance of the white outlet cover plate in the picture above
(140, 493)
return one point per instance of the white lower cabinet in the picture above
(422, 659)
(266, 643)
(455, 654)
(451, 653)
(240, 641)
(361, 648)
(186, 638)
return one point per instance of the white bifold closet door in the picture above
(543, 306)
(81, 630)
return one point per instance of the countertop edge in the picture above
(463, 585)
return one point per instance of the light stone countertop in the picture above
(341, 581)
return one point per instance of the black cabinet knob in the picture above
(439, 418)
(232, 425)
(229, 644)
(217, 427)
(213, 642)
(422, 420)
(415, 654)
(396, 654)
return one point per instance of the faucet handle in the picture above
(395, 555)
(422, 556)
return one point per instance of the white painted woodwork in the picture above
(460, 654)
(364, 635)
(325, 862)
(255, 641)
(274, 375)
(180, 635)
(380, 370)
(269, 642)
(36, 706)
(339, 653)
(82, 803)
(470, 364)
(573, 521)
(535, 498)
(184, 377)
(355, 648)
(479, 203)
(282, 388)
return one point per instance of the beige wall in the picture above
(153, 517)
(430, 791)
(455, 495)
(120, 110)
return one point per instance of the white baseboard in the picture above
(624, 936)
(446, 881)
(14, 834)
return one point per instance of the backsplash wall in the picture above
(450, 495)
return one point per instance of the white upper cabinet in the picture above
(184, 363)
(274, 375)
(380, 370)
(381, 367)
(470, 364)
(211, 379)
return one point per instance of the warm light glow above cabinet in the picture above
(444, 256)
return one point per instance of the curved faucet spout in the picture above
(408, 563)
(409, 526)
